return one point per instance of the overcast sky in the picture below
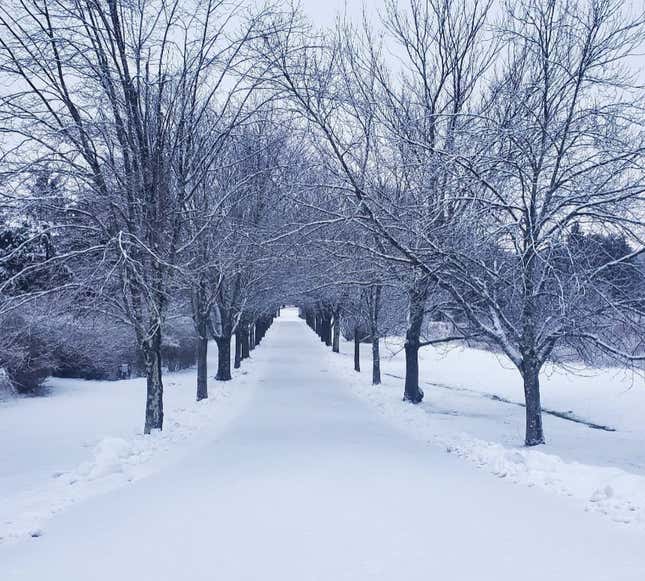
(323, 12)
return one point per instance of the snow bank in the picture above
(611, 396)
(109, 458)
(114, 460)
(610, 491)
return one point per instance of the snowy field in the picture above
(288, 473)
(595, 453)
(87, 438)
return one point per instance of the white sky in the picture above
(324, 12)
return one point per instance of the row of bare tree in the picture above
(488, 161)
(170, 161)
(484, 161)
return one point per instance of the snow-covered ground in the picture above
(471, 408)
(87, 438)
(288, 475)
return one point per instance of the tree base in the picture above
(416, 398)
(534, 442)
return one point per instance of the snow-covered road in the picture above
(308, 483)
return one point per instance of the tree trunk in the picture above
(530, 366)
(246, 352)
(531, 376)
(238, 348)
(336, 334)
(223, 358)
(201, 316)
(376, 361)
(328, 333)
(412, 392)
(357, 348)
(202, 360)
(154, 386)
(374, 330)
(252, 330)
(417, 298)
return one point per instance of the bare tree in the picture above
(385, 134)
(557, 148)
(105, 92)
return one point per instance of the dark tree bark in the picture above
(376, 360)
(154, 385)
(323, 327)
(531, 376)
(327, 335)
(223, 358)
(222, 333)
(357, 348)
(246, 351)
(238, 348)
(412, 392)
(202, 359)
(252, 330)
(530, 365)
(417, 298)
(375, 333)
(263, 325)
(201, 314)
(336, 332)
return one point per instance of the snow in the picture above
(301, 480)
(86, 438)
(464, 413)
(109, 457)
